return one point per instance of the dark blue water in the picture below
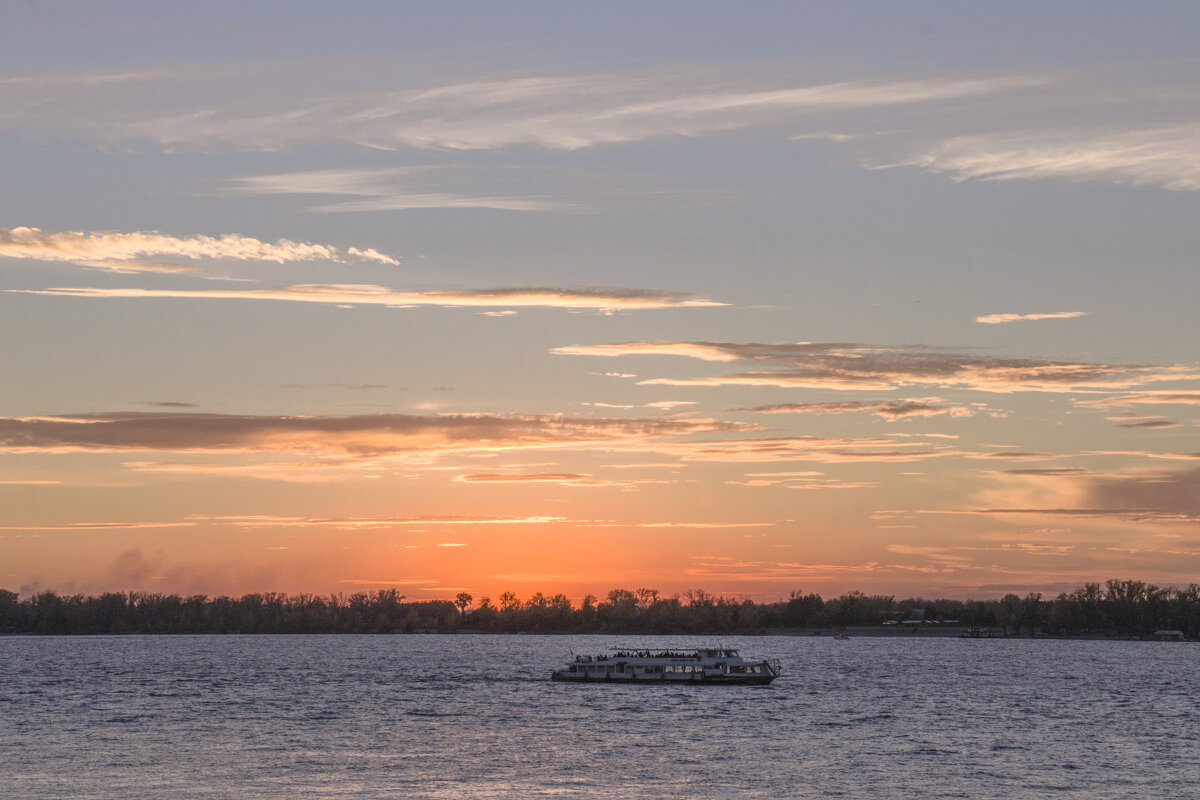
(476, 717)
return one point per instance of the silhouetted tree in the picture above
(462, 600)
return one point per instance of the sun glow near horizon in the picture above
(410, 306)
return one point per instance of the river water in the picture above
(476, 717)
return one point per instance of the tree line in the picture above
(1115, 608)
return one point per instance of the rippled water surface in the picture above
(476, 716)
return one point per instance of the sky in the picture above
(563, 297)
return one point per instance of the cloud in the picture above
(356, 436)
(804, 483)
(795, 448)
(1164, 156)
(1188, 397)
(674, 465)
(77, 79)
(888, 409)
(258, 111)
(360, 438)
(360, 523)
(120, 251)
(1144, 454)
(835, 365)
(1061, 472)
(1151, 424)
(505, 187)
(1155, 497)
(354, 386)
(1168, 492)
(718, 567)
(558, 478)
(705, 525)
(98, 526)
(405, 188)
(994, 319)
(325, 471)
(599, 299)
(419, 582)
(705, 351)
(1128, 515)
(1017, 455)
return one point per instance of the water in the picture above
(475, 717)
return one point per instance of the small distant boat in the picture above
(711, 666)
(841, 636)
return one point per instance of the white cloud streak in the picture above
(402, 188)
(1168, 157)
(996, 319)
(121, 251)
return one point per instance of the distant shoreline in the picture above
(859, 632)
(1117, 610)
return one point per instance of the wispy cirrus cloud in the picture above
(507, 187)
(566, 112)
(888, 409)
(125, 252)
(411, 187)
(1164, 156)
(996, 319)
(595, 299)
(835, 365)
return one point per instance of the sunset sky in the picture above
(315, 297)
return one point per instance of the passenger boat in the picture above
(707, 665)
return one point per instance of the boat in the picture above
(705, 665)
